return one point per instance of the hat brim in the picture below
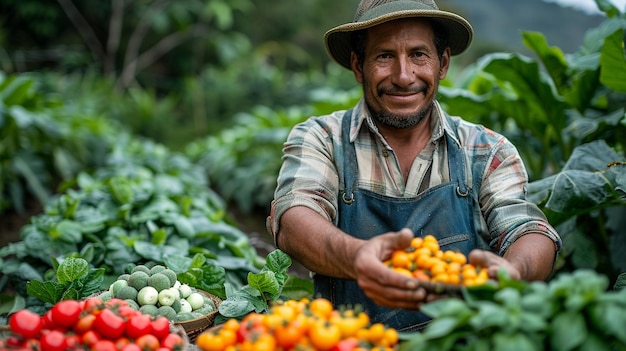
(460, 32)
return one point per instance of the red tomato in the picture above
(14, 341)
(121, 342)
(127, 311)
(131, 347)
(91, 337)
(53, 340)
(172, 342)
(160, 327)
(73, 341)
(109, 325)
(92, 304)
(84, 323)
(26, 323)
(138, 325)
(32, 344)
(47, 320)
(115, 303)
(65, 313)
(104, 345)
(148, 342)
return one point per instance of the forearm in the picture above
(533, 255)
(317, 244)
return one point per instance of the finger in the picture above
(400, 298)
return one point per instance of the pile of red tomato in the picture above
(91, 324)
(304, 325)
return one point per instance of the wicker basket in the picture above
(195, 327)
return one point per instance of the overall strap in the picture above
(347, 177)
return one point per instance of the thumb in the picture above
(403, 238)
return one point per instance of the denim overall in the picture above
(444, 211)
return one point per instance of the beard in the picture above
(396, 120)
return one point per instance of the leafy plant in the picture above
(574, 311)
(146, 205)
(75, 280)
(262, 289)
(254, 147)
(43, 142)
(566, 115)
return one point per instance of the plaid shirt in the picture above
(309, 176)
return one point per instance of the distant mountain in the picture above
(499, 23)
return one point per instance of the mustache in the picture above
(394, 90)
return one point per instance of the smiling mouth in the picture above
(403, 92)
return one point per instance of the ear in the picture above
(445, 64)
(356, 67)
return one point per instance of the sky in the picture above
(588, 6)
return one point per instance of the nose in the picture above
(403, 72)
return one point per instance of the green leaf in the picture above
(620, 283)
(92, 283)
(10, 303)
(49, 292)
(440, 327)
(569, 331)
(613, 62)
(236, 306)
(121, 189)
(266, 283)
(72, 269)
(513, 342)
(446, 307)
(296, 288)
(70, 231)
(552, 58)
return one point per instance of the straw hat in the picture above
(373, 12)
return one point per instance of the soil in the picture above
(12, 221)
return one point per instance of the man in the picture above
(356, 185)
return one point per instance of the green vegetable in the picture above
(573, 311)
(127, 293)
(196, 300)
(185, 290)
(156, 269)
(141, 268)
(171, 275)
(159, 281)
(148, 296)
(138, 280)
(149, 309)
(133, 303)
(168, 296)
(263, 288)
(167, 311)
(74, 280)
(185, 306)
(117, 285)
(184, 316)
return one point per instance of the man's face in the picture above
(400, 72)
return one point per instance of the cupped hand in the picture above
(493, 263)
(381, 284)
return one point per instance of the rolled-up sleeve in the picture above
(508, 214)
(308, 176)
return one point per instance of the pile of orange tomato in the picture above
(300, 325)
(424, 260)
